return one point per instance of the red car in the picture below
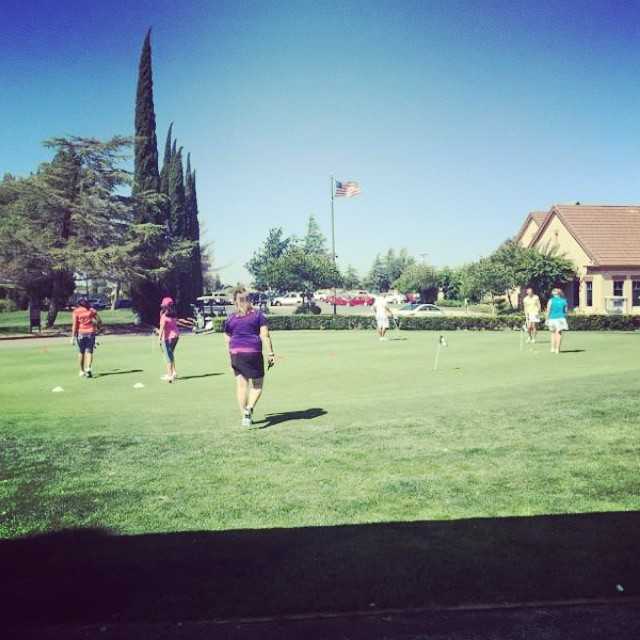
(339, 300)
(357, 301)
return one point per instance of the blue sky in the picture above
(457, 118)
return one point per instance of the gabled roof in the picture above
(537, 217)
(609, 234)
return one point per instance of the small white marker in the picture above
(619, 588)
(57, 390)
(138, 385)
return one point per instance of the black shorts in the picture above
(248, 365)
(86, 342)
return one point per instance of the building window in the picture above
(636, 293)
(589, 293)
(618, 287)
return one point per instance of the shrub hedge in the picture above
(443, 323)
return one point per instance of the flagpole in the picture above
(333, 242)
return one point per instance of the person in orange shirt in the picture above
(86, 323)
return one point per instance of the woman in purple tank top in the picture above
(245, 331)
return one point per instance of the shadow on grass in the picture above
(91, 575)
(273, 419)
(572, 351)
(117, 372)
(199, 375)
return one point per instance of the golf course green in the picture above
(350, 430)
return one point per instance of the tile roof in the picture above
(610, 234)
(537, 216)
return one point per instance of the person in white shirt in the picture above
(532, 309)
(382, 313)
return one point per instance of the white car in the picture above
(395, 298)
(289, 299)
(415, 309)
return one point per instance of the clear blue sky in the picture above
(457, 118)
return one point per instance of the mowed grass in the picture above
(17, 322)
(350, 430)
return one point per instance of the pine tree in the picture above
(146, 176)
(351, 280)
(314, 242)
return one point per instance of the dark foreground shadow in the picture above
(117, 372)
(272, 419)
(199, 375)
(91, 576)
(572, 351)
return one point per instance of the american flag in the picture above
(347, 189)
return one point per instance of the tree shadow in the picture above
(91, 576)
(199, 375)
(117, 372)
(273, 419)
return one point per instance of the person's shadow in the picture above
(273, 419)
(118, 372)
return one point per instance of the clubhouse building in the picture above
(603, 241)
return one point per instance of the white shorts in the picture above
(382, 322)
(533, 318)
(559, 324)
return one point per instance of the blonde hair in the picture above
(241, 301)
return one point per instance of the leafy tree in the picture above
(297, 270)
(450, 280)
(273, 248)
(419, 277)
(314, 241)
(351, 279)
(397, 264)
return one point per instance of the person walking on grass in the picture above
(382, 312)
(557, 318)
(169, 334)
(532, 309)
(85, 324)
(246, 332)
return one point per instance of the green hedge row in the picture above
(443, 323)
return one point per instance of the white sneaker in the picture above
(246, 418)
(81, 374)
(166, 378)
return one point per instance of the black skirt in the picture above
(248, 365)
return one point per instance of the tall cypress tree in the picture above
(166, 162)
(193, 226)
(146, 292)
(178, 226)
(146, 176)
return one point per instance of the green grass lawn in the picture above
(350, 431)
(17, 322)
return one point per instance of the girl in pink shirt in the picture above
(169, 336)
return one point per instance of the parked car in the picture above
(98, 303)
(395, 298)
(289, 299)
(210, 306)
(414, 309)
(361, 299)
(340, 300)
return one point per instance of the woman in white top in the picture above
(382, 312)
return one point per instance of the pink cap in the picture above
(166, 301)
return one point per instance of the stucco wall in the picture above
(529, 232)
